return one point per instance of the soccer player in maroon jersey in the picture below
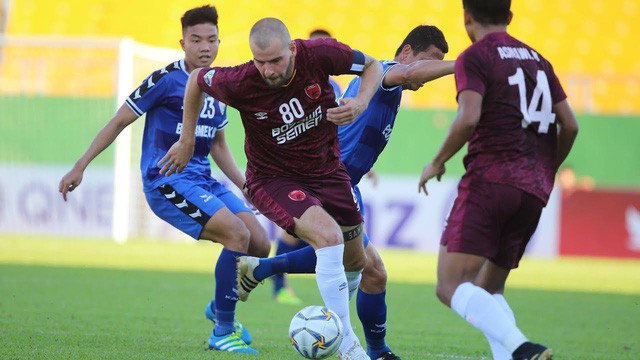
(513, 112)
(285, 243)
(294, 173)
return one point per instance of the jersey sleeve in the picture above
(470, 73)
(222, 107)
(338, 58)
(386, 66)
(214, 81)
(557, 92)
(149, 94)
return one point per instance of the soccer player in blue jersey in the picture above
(514, 114)
(417, 61)
(192, 201)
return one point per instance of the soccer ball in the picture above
(316, 332)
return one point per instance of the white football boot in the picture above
(354, 352)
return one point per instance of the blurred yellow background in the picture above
(590, 42)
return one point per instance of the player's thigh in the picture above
(318, 228)
(228, 229)
(185, 205)
(259, 244)
(374, 276)
(474, 235)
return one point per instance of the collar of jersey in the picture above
(292, 76)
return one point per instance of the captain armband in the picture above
(353, 233)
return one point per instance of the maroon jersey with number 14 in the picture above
(515, 141)
(286, 131)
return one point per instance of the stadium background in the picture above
(49, 116)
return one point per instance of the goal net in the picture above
(55, 95)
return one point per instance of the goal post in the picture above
(130, 55)
(55, 94)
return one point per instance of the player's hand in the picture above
(349, 110)
(247, 197)
(177, 158)
(69, 182)
(431, 170)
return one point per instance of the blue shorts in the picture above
(356, 192)
(188, 205)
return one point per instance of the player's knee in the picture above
(262, 250)
(241, 235)
(329, 238)
(235, 236)
(355, 263)
(374, 278)
(377, 272)
(259, 245)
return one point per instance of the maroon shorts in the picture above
(494, 221)
(283, 199)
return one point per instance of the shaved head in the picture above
(266, 30)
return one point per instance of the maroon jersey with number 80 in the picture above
(286, 131)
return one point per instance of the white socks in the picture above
(497, 350)
(486, 314)
(332, 283)
(353, 280)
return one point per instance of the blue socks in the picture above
(301, 261)
(225, 275)
(283, 248)
(372, 311)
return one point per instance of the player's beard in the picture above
(278, 81)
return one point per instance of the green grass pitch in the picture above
(92, 299)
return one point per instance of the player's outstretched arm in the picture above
(105, 137)
(467, 117)
(418, 72)
(180, 153)
(568, 129)
(352, 107)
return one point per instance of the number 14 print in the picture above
(541, 99)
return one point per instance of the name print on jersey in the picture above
(205, 131)
(291, 130)
(520, 53)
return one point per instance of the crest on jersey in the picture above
(313, 91)
(208, 77)
(297, 195)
